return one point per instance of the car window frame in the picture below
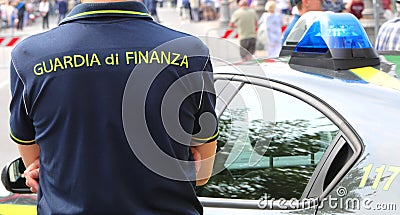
(346, 133)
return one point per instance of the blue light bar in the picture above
(335, 41)
(332, 31)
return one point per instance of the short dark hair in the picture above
(295, 2)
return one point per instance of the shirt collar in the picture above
(115, 9)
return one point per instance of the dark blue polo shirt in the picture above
(68, 88)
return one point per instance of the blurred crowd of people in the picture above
(278, 15)
(20, 13)
(197, 10)
(193, 10)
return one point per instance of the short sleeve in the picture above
(255, 16)
(233, 18)
(206, 121)
(21, 126)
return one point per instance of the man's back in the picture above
(70, 81)
(245, 19)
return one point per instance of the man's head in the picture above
(307, 5)
(243, 3)
(270, 6)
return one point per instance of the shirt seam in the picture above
(22, 81)
(203, 85)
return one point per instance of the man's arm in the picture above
(232, 21)
(29, 153)
(30, 157)
(204, 156)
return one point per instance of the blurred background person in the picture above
(356, 7)
(52, 7)
(71, 4)
(195, 9)
(282, 6)
(30, 10)
(387, 9)
(388, 38)
(273, 22)
(160, 3)
(20, 14)
(62, 7)
(184, 9)
(44, 8)
(152, 7)
(336, 6)
(303, 6)
(12, 13)
(208, 10)
(3, 15)
(217, 6)
(245, 20)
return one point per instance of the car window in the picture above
(225, 90)
(267, 146)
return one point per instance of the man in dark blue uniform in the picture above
(79, 93)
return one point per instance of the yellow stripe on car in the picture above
(375, 76)
(6, 209)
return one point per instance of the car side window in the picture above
(267, 146)
(225, 90)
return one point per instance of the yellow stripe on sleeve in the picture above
(206, 139)
(21, 141)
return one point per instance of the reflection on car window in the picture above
(261, 153)
(225, 90)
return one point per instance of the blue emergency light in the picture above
(335, 41)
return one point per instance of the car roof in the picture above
(371, 109)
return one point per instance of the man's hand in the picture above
(32, 176)
(197, 159)
(203, 156)
(30, 157)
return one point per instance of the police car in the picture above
(311, 132)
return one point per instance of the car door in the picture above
(280, 149)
